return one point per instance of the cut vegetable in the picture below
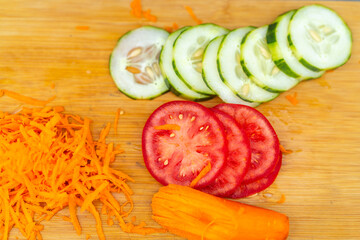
(179, 156)
(134, 63)
(188, 51)
(177, 86)
(264, 142)
(231, 72)
(256, 61)
(281, 52)
(237, 162)
(319, 38)
(195, 215)
(212, 78)
(48, 161)
(248, 189)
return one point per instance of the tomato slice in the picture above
(179, 140)
(248, 189)
(237, 162)
(264, 142)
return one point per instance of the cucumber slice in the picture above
(281, 52)
(319, 38)
(187, 54)
(231, 71)
(177, 86)
(256, 62)
(212, 77)
(134, 63)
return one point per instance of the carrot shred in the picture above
(25, 99)
(202, 173)
(292, 98)
(192, 14)
(282, 199)
(147, 14)
(49, 161)
(133, 70)
(136, 8)
(175, 26)
(283, 150)
(83, 28)
(168, 127)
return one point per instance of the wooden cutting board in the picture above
(62, 47)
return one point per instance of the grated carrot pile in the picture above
(50, 161)
(192, 14)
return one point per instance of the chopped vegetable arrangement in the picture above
(49, 160)
(245, 66)
(220, 151)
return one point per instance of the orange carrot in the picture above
(168, 127)
(283, 150)
(292, 98)
(25, 99)
(193, 214)
(202, 173)
(192, 14)
(147, 14)
(133, 70)
(175, 26)
(84, 28)
(136, 8)
(48, 161)
(282, 199)
(167, 28)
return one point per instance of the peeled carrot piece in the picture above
(193, 214)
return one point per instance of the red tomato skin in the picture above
(237, 162)
(264, 142)
(248, 189)
(166, 172)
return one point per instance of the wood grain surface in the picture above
(41, 44)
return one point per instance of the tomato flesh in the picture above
(248, 189)
(237, 162)
(264, 142)
(178, 154)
